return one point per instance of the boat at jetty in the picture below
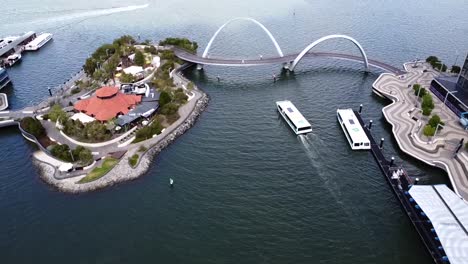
(38, 42)
(352, 129)
(4, 78)
(12, 46)
(293, 117)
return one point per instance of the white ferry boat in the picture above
(353, 130)
(293, 117)
(4, 79)
(39, 41)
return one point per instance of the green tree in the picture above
(169, 109)
(426, 111)
(427, 102)
(83, 155)
(455, 69)
(33, 127)
(429, 131)
(164, 98)
(139, 58)
(62, 152)
(190, 85)
(124, 40)
(56, 113)
(180, 97)
(127, 78)
(435, 120)
(90, 66)
(418, 89)
(432, 59)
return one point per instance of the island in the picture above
(106, 124)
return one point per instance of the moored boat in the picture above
(38, 42)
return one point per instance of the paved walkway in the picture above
(437, 151)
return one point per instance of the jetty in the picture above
(401, 184)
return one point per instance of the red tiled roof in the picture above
(106, 91)
(108, 107)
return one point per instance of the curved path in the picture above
(401, 114)
(286, 60)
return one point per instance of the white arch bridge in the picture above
(289, 61)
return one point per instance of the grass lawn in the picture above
(98, 172)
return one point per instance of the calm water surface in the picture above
(247, 190)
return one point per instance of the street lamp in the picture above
(71, 153)
(451, 92)
(437, 129)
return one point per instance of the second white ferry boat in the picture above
(293, 117)
(38, 42)
(353, 130)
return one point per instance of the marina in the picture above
(293, 117)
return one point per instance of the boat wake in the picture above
(88, 14)
(312, 144)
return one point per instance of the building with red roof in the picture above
(107, 103)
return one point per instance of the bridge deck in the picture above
(187, 56)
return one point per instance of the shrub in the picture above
(169, 109)
(142, 148)
(167, 55)
(466, 145)
(147, 132)
(75, 90)
(428, 130)
(164, 98)
(180, 97)
(434, 121)
(45, 116)
(33, 127)
(190, 85)
(56, 113)
(127, 78)
(133, 160)
(151, 49)
(183, 43)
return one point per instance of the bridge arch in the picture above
(320, 40)
(207, 49)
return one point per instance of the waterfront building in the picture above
(462, 81)
(453, 90)
(107, 103)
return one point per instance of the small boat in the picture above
(171, 182)
(12, 59)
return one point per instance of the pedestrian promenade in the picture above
(405, 116)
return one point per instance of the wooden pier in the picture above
(400, 186)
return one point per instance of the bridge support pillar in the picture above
(199, 67)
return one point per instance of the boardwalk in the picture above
(400, 187)
(286, 59)
(407, 124)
